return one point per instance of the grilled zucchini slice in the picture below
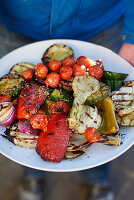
(11, 84)
(20, 67)
(57, 52)
(114, 80)
(99, 95)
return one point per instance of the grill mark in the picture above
(89, 115)
(122, 100)
(123, 93)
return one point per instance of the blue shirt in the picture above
(68, 19)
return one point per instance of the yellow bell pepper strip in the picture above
(109, 124)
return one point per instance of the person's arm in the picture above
(127, 49)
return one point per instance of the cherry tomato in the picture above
(27, 74)
(5, 97)
(52, 80)
(59, 107)
(55, 65)
(66, 72)
(91, 135)
(39, 120)
(82, 60)
(69, 61)
(79, 70)
(41, 70)
(96, 71)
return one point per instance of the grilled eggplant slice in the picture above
(11, 84)
(114, 80)
(99, 95)
(20, 67)
(57, 52)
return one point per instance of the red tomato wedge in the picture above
(52, 144)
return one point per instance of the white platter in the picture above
(95, 155)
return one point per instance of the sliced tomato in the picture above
(39, 120)
(91, 135)
(52, 144)
(96, 71)
(52, 80)
(69, 61)
(41, 70)
(59, 107)
(79, 70)
(55, 65)
(66, 72)
(27, 74)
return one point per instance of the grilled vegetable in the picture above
(20, 67)
(99, 95)
(83, 87)
(60, 94)
(78, 144)
(124, 104)
(66, 84)
(27, 139)
(56, 52)
(7, 113)
(109, 124)
(114, 80)
(124, 99)
(83, 117)
(126, 120)
(11, 84)
(31, 97)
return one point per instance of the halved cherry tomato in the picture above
(52, 80)
(41, 70)
(5, 97)
(91, 135)
(79, 70)
(96, 71)
(27, 74)
(39, 120)
(55, 65)
(66, 72)
(69, 61)
(59, 107)
(82, 60)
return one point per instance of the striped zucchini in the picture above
(57, 52)
(11, 84)
(20, 67)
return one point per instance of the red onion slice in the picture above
(7, 113)
(25, 127)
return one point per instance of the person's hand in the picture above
(127, 52)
